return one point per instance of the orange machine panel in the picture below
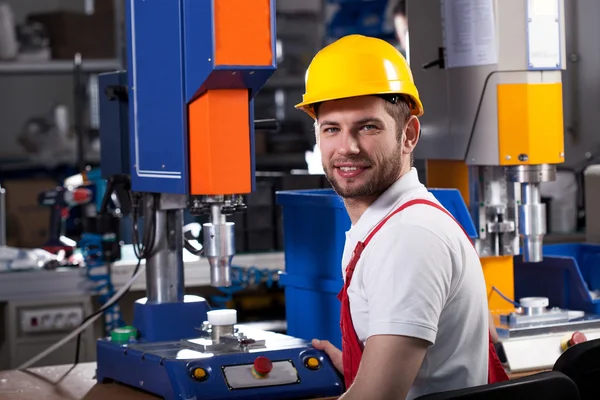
(219, 143)
(530, 123)
(243, 33)
(448, 174)
(499, 273)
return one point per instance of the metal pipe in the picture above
(532, 226)
(219, 247)
(219, 331)
(79, 100)
(164, 268)
(2, 216)
(217, 218)
(530, 193)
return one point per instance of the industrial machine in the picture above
(61, 199)
(179, 125)
(489, 73)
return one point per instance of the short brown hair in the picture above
(400, 111)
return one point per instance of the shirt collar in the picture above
(385, 203)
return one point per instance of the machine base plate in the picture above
(180, 370)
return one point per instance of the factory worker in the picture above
(414, 311)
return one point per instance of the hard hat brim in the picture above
(406, 89)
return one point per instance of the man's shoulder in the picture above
(422, 218)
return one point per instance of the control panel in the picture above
(262, 373)
(55, 319)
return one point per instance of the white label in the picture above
(469, 33)
(543, 34)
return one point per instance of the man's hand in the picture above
(493, 331)
(333, 352)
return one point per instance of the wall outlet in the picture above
(50, 319)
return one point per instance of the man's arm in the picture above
(407, 280)
(379, 376)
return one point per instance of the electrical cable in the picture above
(514, 303)
(142, 251)
(84, 325)
(481, 97)
(101, 311)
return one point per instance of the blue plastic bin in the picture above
(314, 227)
(566, 276)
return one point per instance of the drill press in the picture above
(179, 124)
(490, 75)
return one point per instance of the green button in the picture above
(123, 334)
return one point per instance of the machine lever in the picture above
(192, 249)
(440, 62)
(188, 237)
(266, 124)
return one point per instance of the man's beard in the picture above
(382, 178)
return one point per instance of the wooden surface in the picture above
(65, 383)
(77, 383)
(516, 375)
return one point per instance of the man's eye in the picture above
(369, 127)
(331, 130)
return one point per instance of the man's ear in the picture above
(411, 134)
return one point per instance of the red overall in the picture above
(352, 347)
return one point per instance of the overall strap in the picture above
(402, 207)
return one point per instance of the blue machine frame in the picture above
(173, 378)
(171, 62)
(165, 368)
(144, 135)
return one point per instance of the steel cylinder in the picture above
(532, 222)
(164, 268)
(219, 248)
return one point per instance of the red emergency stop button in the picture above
(261, 368)
(576, 338)
(81, 196)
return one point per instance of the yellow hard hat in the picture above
(357, 65)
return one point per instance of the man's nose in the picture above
(348, 143)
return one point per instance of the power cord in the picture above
(485, 84)
(101, 311)
(142, 251)
(514, 303)
(81, 328)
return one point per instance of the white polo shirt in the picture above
(421, 277)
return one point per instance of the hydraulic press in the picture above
(179, 123)
(490, 75)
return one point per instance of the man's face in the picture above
(360, 150)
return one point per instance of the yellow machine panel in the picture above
(530, 123)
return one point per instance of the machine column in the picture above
(2, 216)
(164, 267)
(532, 212)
